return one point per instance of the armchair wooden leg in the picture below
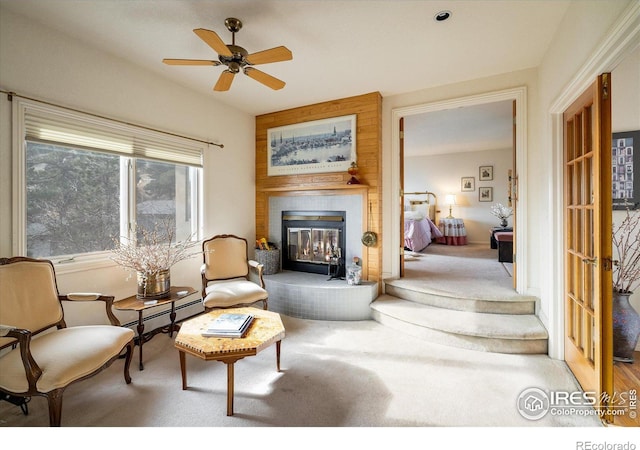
(127, 361)
(54, 399)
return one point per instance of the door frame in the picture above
(615, 47)
(518, 94)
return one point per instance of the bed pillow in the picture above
(413, 215)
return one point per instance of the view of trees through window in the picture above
(73, 199)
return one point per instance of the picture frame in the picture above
(467, 184)
(485, 194)
(326, 145)
(625, 171)
(485, 173)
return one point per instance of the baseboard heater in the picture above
(165, 312)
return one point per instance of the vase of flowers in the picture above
(150, 254)
(502, 212)
(626, 278)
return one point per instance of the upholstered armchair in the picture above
(39, 354)
(229, 277)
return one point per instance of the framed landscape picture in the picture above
(625, 189)
(468, 184)
(327, 145)
(485, 194)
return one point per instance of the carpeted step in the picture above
(500, 333)
(474, 301)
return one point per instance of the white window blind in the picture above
(49, 124)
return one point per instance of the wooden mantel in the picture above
(320, 187)
(368, 109)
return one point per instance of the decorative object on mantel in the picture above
(369, 238)
(502, 212)
(353, 171)
(327, 145)
(626, 278)
(151, 256)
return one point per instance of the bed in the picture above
(419, 228)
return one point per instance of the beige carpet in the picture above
(334, 374)
(467, 271)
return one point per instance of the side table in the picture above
(494, 230)
(265, 330)
(134, 303)
(453, 232)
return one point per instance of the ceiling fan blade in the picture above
(213, 40)
(275, 54)
(264, 78)
(190, 62)
(224, 82)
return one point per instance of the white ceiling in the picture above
(340, 48)
(472, 128)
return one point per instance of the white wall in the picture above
(441, 174)
(625, 116)
(38, 62)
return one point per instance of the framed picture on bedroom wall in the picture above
(468, 184)
(486, 173)
(485, 194)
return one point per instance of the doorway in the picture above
(517, 95)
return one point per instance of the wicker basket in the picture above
(270, 259)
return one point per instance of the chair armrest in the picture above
(255, 272)
(93, 296)
(81, 296)
(5, 329)
(31, 369)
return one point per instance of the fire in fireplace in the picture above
(314, 241)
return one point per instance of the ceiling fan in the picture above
(236, 58)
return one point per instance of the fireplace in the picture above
(314, 241)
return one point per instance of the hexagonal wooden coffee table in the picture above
(266, 329)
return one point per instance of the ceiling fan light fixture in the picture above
(442, 16)
(236, 58)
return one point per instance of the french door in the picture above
(587, 235)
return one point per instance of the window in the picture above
(87, 182)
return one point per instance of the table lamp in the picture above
(450, 199)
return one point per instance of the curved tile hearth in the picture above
(313, 296)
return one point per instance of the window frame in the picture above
(80, 262)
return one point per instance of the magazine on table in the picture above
(229, 325)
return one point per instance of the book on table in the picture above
(229, 325)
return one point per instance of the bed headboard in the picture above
(426, 205)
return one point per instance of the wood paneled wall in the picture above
(368, 108)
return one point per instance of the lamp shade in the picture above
(450, 199)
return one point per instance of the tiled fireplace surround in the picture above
(313, 296)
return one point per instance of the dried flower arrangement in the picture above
(501, 212)
(154, 252)
(626, 241)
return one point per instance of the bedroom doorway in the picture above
(442, 145)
